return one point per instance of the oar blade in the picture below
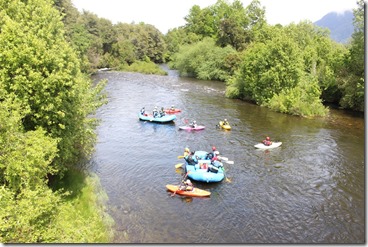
(223, 158)
(178, 165)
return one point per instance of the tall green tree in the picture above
(352, 81)
(39, 69)
(204, 60)
(273, 74)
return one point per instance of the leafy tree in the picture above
(148, 42)
(203, 60)
(352, 76)
(201, 22)
(40, 70)
(228, 24)
(177, 37)
(266, 69)
(302, 100)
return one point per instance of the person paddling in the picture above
(267, 141)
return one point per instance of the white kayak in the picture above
(273, 145)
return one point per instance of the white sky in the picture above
(167, 14)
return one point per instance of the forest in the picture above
(269, 65)
(48, 101)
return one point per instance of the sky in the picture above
(168, 14)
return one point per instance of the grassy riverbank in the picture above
(83, 215)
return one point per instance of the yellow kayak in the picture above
(194, 192)
(224, 126)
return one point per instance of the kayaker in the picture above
(186, 185)
(172, 108)
(267, 141)
(143, 110)
(193, 124)
(225, 122)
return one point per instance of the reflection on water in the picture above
(309, 190)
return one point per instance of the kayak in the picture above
(273, 145)
(199, 127)
(170, 111)
(194, 192)
(163, 119)
(224, 126)
(204, 171)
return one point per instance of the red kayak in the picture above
(171, 111)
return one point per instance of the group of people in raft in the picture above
(157, 113)
(214, 166)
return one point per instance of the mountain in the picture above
(340, 25)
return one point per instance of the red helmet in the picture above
(213, 148)
(267, 138)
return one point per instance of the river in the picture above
(309, 190)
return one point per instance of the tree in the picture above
(352, 76)
(40, 70)
(203, 60)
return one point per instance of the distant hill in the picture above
(340, 25)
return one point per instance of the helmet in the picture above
(267, 138)
(194, 121)
(213, 148)
(188, 182)
(187, 150)
(225, 119)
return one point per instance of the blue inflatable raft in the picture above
(203, 170)
(164, 119)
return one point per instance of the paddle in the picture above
(181, 181)
(181, 156)
(230, 162)
(226, 178)
(179, 165)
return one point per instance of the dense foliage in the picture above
(272, 64)
(203, 60)
(45, 130)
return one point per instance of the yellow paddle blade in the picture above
(178, 165)
(180, 156)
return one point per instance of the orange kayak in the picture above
(194, 192)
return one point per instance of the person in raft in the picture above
(211, 155)
(162, 112)
(155, 112)
(267, 141)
